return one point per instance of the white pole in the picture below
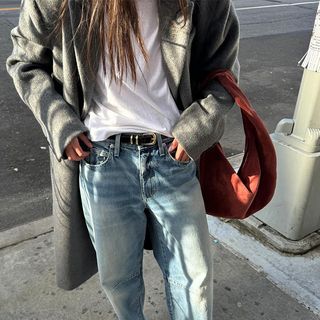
(294, 210)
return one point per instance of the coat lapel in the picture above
(174, 37)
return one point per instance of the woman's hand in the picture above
(180, 154)
(73, 149)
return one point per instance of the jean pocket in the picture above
(171, 156)
(99, 156)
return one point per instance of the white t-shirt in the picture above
(146, 107)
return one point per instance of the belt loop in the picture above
(117, 145)
(160, 144)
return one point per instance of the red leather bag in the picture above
(231, 194)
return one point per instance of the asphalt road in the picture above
(274, 36)
(5, 5)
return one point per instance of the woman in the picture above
(114, 86)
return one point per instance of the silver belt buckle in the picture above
(153, 141)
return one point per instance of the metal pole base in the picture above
(294, 210)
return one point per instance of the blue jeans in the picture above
(117, 182)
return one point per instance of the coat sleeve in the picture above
(215, 46)
(30, 66)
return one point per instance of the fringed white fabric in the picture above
(311, 60)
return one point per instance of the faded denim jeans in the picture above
(117, 182)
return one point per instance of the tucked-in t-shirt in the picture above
(148, 105)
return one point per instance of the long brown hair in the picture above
(122, 17)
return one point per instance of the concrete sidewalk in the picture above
(28, 290)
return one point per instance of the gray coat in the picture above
(52, 78)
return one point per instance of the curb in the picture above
(25, 232)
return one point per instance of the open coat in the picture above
(51, 76)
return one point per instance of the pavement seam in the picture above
(25, 232)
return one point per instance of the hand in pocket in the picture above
(75, 149)
(180, 154)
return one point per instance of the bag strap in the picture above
(253, 125)
(227, 80)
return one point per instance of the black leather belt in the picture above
(145, 139)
